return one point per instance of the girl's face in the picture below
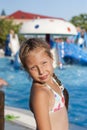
(39, 65)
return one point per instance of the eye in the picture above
(45, 62)
(33, 68)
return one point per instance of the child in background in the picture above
(47, 100)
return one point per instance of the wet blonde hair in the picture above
(30, 45)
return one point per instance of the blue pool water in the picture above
(73, 77)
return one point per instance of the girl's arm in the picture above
(40, 105)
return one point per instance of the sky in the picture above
(56, 8)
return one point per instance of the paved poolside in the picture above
(14, 126)
(26, 121)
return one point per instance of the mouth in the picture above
(43, 77)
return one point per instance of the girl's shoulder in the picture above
(39, 92)
(39, 96)
(39, 89)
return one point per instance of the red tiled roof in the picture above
(23, 15)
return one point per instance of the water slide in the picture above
(66, 53)
(70, 53)
(74, 54)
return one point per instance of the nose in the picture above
(40, 70)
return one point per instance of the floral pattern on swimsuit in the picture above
(59, 100)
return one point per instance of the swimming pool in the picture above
(73, 77)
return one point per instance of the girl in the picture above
(47, 100)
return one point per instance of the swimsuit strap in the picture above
(57, 80)
(49, 87)
(59, 99)
(60, 86)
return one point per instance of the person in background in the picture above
(14, 43)
(7, 48)
(76, 37)
(60, 51)
(81, 39)
(85, 39)
(47, 100)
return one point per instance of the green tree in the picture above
(80, 21)
(5, 26)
